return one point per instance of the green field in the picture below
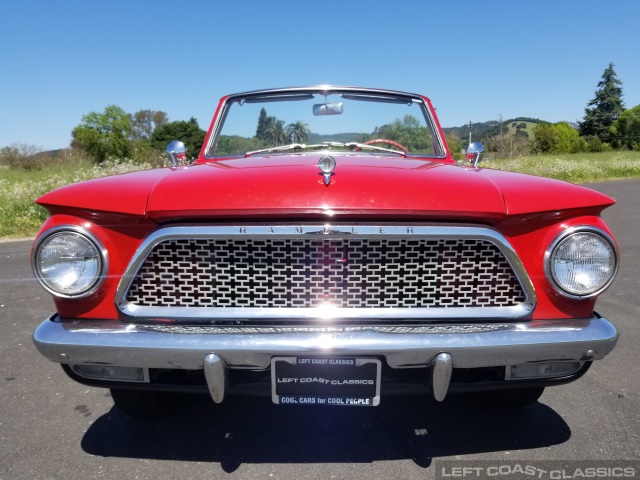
(574, 167)
(21, 217)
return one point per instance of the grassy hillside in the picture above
(520, 126)
(480, 132)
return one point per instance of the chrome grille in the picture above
(311, 271)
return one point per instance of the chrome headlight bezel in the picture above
(85, 235)
(563, 237)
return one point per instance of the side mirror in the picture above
(474, 153)
(177, 152)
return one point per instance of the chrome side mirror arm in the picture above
(176, 151)
(474, 153)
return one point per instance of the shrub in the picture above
(596, 145)
(23, 157)
(557, 138)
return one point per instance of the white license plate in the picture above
(345, 381)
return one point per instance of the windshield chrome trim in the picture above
(324, 89)
(334, 231)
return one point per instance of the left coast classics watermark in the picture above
(530, 470)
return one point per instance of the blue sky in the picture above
(475, 60)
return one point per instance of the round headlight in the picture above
(582, 262)
(69, 262)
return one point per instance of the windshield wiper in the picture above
(282, 148)
(302, 146)
(363, 146)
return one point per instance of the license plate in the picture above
(346, 381)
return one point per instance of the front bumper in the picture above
(469, 345)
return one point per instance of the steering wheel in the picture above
(387, 142)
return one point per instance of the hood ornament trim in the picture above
(326, 165)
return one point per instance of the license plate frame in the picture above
(326, 380)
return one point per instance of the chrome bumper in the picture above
(185, 347)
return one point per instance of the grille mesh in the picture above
(310, 272)
(400, 330)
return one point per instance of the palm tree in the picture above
(276, 133)
(298, 132)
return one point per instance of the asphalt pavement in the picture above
(54, 428)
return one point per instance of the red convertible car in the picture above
(324, 249)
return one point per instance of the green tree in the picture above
(557, 138)
(276, 133)
(144, 122)
(236, 145)
(605, 108)
(104, 135)
(263, 124)
(188, 133)
(267, 127)
(567, 138)
(298, 132)
(407, 132)
(455, 145)
(626, 129)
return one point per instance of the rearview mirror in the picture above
(327, 109)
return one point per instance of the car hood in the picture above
(362, 186)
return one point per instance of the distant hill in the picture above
(54, 154)
(480, 132)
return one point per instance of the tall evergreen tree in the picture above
(266, 124)
(262, 124)
(605, 108)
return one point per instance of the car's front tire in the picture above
(512, 398)
(144, 403)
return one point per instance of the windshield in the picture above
(296, 121)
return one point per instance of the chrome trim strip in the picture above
(332, 231)
(396, 329)
(105, 342)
